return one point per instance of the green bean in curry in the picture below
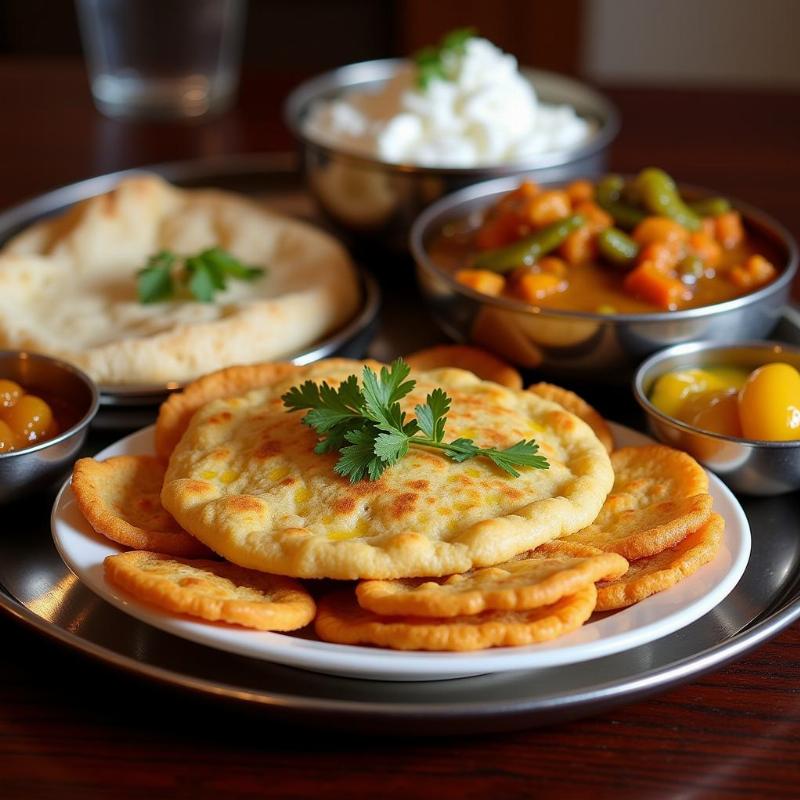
(617, 245)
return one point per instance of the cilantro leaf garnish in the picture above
(154, 282)
(367, 427)
(202, 275)
(430, 61)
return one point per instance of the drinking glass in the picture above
(162, 58)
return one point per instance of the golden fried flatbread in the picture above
(643, 532)
(637, 519)
(340, 619)
(652, 473)
(656, 573)
(68, 284)
(213, 590)
(120, 499)
(562, 547)
(473, 359)
(514, 586)
(578, 406)
(245, 480)
(178, 408)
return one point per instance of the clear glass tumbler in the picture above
(162, 59)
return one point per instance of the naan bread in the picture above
(245, 481)
(68, 285)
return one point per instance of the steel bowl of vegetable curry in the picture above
(586, 279)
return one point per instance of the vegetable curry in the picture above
(616, 246)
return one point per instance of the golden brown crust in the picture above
(120, 499)
(652, 473)
(643, 532)
(340, 619)
(479, 362)
(213, 590)
(578, 406)
(659, 496)
(177, 410)
(647, 576)
(514, 586)
(427, 515)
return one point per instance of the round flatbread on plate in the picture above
(659, 615)
(246, 481)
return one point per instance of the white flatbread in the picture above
(68, 285)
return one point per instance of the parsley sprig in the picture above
(366, 426)
(203, 275)
(432, 61)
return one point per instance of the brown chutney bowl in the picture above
(588, 346)
(73, 393)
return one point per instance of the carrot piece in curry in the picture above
(728, 229)
(579, 247)
(650, 283)
(756, 271)
(533, 286)
(481, 280)
(659, 229)
(547, 207)
(580, 190)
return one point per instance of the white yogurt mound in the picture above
(484, 113)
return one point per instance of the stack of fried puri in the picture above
(451, 557)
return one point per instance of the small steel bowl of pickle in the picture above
(46, 406)
(735, 408)
(585, 279)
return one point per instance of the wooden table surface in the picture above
(73, 728)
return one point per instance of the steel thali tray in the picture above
(39, 591)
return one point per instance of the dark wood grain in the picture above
(73, 728)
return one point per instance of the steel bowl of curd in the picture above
(379, 145)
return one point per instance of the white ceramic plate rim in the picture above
(83, 552)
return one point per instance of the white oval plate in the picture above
(83, 552)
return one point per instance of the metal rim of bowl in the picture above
(352, 76)
(82, 423)
(690, 348)
(497, 186)
(368, 311)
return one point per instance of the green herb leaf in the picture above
(226, 264)
(203, 274)
(381, 395)
(307, 395)
(430, 61)
(369, 430)
(431, 416)
(521, 454)
(461, 449)
(202, 281)
(154, 282)
(358, 458)
(457, 39)
(391, 447)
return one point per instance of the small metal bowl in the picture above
(374, 202)
(748, 466)
(577, 345)
(34, 467)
